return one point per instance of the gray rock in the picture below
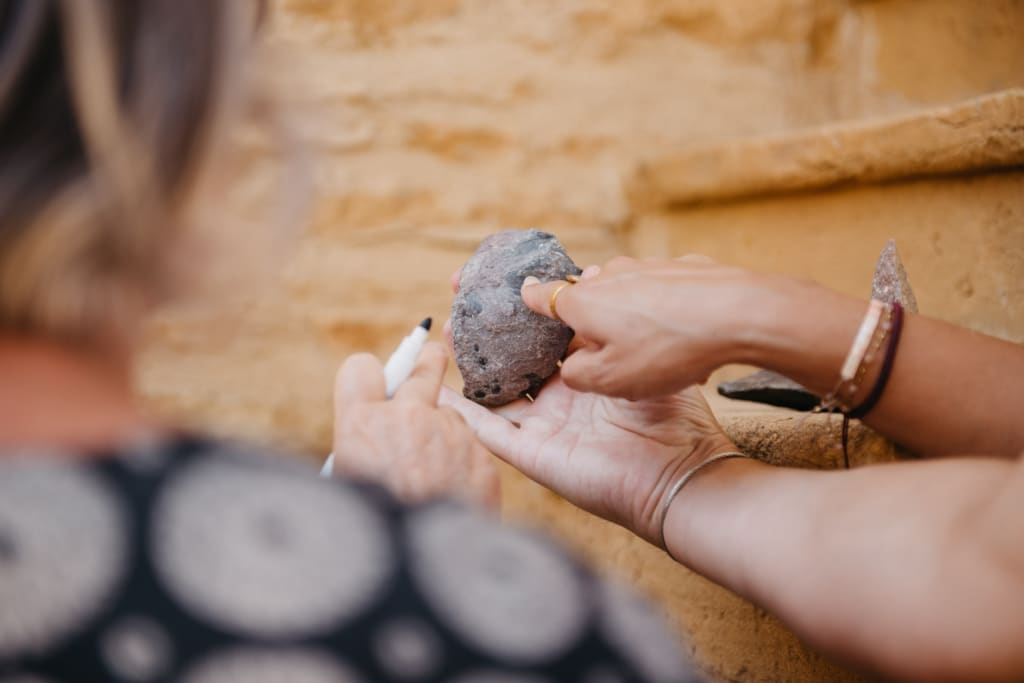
(503, 349)
(765, 386)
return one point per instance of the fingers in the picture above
(576, 344)
(360, 379)
(424, 383)
(482, 484)
(696, 258)
(586, 370)
(448, 338)
(619, 264)
(453, 280)
(537, 297)
(495, 432)
(515, 412)
(451, 414)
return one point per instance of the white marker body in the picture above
(398, 368)
(403, 360)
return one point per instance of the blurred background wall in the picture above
(614, 124)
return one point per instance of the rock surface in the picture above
(503, 349)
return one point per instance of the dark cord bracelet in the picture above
(883, 375)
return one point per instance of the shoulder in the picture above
(244, 546)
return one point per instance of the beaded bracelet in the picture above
(878, 337)
(896, 328)
(851, 367)
(883, 323)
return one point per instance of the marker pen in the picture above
(398, 368)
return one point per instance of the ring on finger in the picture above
(554, 298)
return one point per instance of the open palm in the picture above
(612, 457)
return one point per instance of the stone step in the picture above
(789, 438)
(980, 134)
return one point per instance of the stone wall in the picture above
(435, 122)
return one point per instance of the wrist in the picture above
(703, 506)
(759, 332)
(652, 512)
(800, 329)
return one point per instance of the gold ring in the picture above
(554, 297)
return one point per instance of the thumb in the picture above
(360, 380)
(551, 299)
(697, 258)
(587, 370)
(496, 433)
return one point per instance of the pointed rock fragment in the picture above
(891, 284)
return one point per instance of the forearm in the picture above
(890, 567)
(951, 390)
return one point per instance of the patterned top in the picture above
(211, 562)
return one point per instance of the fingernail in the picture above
(530, 280)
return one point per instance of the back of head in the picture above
(106, 118)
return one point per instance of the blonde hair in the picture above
(109, 110)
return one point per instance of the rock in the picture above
(503, 349)
(891, 284)
(765, 386)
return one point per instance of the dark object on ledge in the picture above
(503, 349)
(765, 386)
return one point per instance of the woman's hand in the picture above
(409, 444)
(655, 326)
(612, 457)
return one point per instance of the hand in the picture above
(612, 457)
(409, 444)
(655, 326)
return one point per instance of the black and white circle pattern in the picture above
(62, 552)
(137, 649)
(603, 674)
(148, 456)
(489, 676)
(641, 635)
(408, 648)
(250, 665)
(503, 590)
(268, 551)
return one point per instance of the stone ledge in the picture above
(792, 439)
(986, 133)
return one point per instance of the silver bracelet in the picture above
(678, 486)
